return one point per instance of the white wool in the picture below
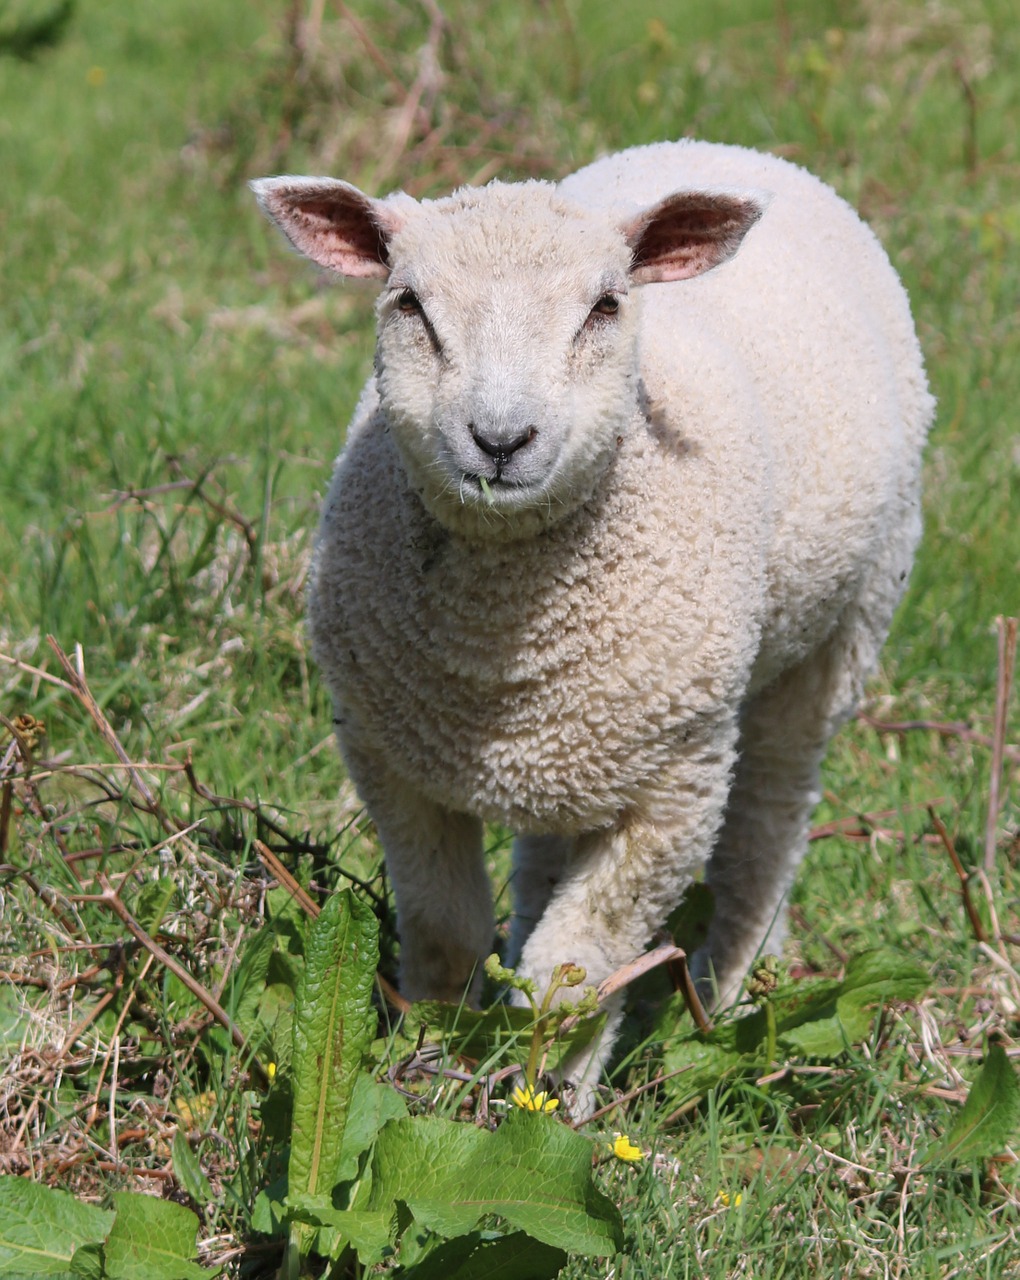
(636, 655)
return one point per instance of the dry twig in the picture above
(977, 927)
(110, 899)
(1003, 689)
(944, 728)
(83, 693)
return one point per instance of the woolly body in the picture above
(636, 657)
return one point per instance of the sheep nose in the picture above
(501, 450)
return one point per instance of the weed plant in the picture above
(173, 390)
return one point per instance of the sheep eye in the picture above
(607, 305)
(407, 301)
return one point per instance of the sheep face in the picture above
(507, 359)
(506, 387)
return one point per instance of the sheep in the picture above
(616, 536)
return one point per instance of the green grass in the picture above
(154, 333)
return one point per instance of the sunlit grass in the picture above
(173, 391)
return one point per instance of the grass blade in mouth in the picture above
(486, 491)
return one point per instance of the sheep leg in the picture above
(785, 730)
(434, 857)
(621, 883)
(538, 866)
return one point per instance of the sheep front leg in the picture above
(434, 857)
(620, 884)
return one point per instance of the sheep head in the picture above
(507, 357)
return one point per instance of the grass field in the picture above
(173, 388)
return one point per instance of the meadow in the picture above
(173, 389)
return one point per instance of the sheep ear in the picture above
(689, 233)
(331, 222)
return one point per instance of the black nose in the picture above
(500, 450)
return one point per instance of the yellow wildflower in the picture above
(529, 1100)
(196, 1112)
(624, 1149)
(270, 1071)
(725, 1199)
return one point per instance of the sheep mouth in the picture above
(486, 488)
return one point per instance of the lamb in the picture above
(615, 539)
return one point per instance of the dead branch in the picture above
(977, 927)
(1003, 689)
(276, 868)
(628, 973)
(110, 899)
(371, 48)
(83, 693)
(942, 728)
(249, 806)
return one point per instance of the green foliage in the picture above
(44, 1232)
(27, 26)
(533, 1171)
(41, 1229)
(174, 389)
(333, 1027)
(366, 1176)
(990, 1118)
(151, 1240)
(813, 1020)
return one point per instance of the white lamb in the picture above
(609, 564)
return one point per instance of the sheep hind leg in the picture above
(539, 864)
(784, 732)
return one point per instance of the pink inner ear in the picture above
(687, 234)
(332, 223)
(678, 262)
(344, 237)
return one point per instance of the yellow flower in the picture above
(624, 1149)
(196, 1112)
(529, 1100)
(725, 1199)
(270, 1071)
(96, 76)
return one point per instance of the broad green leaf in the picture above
(333, 1027)
(822, 1037)
(814, 1019)
(842, 1014)
(486, 1257)
(533, 1171)
(152, 1240)
(372, 1105)
(276, 1015)
(87, 1263)
(988, 1119)
(188, 1170)
(873, 980)
(40, 1229)
(370, 1231)
(268, 1213)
